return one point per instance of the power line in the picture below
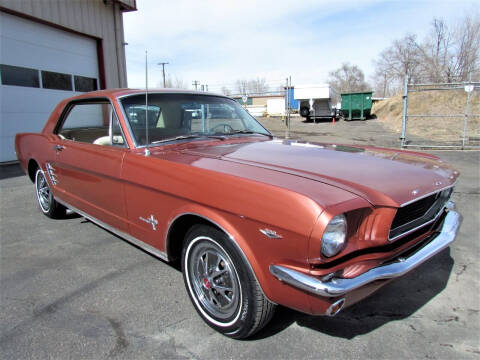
(196, 83)
(234, 83)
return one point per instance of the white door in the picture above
(39, 66)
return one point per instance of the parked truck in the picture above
(316, 101)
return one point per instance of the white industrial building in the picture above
(51, 50)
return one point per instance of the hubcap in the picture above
(43, 192)
(214, 279)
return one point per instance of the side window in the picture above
(94, 124)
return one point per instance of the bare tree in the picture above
(226, 91)
(242, 86)
(464, 56)
(254, 86)
(348, 78)
(383, 84)
(173, 82)
(179, 83)
(257, 86)
(452, 55)
(403, 57)
(434, 52)
(447, 54)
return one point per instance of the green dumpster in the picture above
(356, 106)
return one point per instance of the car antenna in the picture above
(147, 150)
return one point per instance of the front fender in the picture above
(258, 250)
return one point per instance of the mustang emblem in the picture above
(438, 183)
(151, 220)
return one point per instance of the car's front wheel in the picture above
(221, 286)
(48, 204)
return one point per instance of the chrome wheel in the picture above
(221, 284)
(214, 278)
(43, 191)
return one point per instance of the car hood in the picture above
(386, 177)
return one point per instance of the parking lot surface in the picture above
(71, 290)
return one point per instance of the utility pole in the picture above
(163, 70)
(384, 84)
(287, 117)
(405, 110)
(196, 83)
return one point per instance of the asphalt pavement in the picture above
(71, 290)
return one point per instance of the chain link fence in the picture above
(441, 115)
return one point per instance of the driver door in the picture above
(88, 164)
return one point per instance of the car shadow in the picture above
(8, 171)
(397, 300)
(71, 215)
(319, 120)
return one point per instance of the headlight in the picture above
(334, 237)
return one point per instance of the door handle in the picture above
(58, 147)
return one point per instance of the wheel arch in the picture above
(179, 227)
(32, 167)
(182, 222)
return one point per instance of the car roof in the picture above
(120, 92)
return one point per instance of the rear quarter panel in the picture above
(36, 146)
(30, 146)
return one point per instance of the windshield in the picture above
(179, 116)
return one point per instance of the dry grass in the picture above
(439, 102)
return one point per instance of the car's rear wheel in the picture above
(221, 286)
(48, 204)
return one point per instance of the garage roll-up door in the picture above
(39, 66)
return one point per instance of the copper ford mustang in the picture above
(255, 221)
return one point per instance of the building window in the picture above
(19, 76)
(57, 81)
(84, 84)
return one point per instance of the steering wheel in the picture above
(225, 127)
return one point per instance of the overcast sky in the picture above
(218, 42)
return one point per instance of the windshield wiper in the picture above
(249, 132)
(191, 136)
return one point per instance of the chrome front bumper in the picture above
(339, 286)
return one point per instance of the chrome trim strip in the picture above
(167, 233)
(148, 248)
(340, 286)
(426, 195)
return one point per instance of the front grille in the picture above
(418, 213)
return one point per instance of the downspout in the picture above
(117, 47)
